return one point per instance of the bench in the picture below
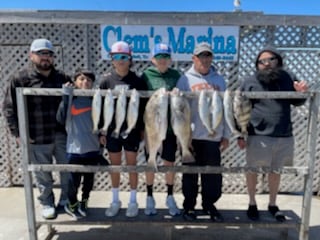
(233, 219)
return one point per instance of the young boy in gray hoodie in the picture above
(83, 146)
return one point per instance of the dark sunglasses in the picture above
(123, 57)
(267, 60)
(204, 55)
(162, 56)
(44, 53)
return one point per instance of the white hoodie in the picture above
(194, 81)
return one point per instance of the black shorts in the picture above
(131, 143)
(169, 148)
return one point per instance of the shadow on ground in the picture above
(160, 233)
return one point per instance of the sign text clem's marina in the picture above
(182, 39)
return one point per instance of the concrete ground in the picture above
(13, 221)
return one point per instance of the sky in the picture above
(288, 7)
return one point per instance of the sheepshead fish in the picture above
(204, 111)
(132, 112)
(216, 110)
(121, 108)
(96, 109)
(181, 123)
(228, 112)
(156, 123)
(242, 109)
(108, 110)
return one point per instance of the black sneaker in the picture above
(253, 213)
(215, 215)
(83, 207)
(275, 211)
(72, 210)
(189, 215)
(60, 208)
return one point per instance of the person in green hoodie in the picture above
(157, 76)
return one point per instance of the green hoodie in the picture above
(155, 80)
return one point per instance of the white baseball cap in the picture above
(41, 44)
(120, 47)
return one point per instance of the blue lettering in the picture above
(157, 39)
(231, 45)
(204, 38)
(105, 36)
(177, 44)
(139, 43)
(218, 44)
(190, 43)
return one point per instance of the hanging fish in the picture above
(96, 109)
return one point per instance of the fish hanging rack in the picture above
(147, 94)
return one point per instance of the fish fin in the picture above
(115, 134)
(124, 134)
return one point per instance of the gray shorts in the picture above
(273, 152)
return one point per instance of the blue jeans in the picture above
(45, 154)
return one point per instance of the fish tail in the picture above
(187, 157)
(152, 163)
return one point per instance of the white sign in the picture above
(182, 39)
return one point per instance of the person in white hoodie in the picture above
(207, 149)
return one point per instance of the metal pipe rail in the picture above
(146, 94)
(314, 98)
(162, 169)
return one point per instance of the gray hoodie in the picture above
(79, 125)
(194, 81)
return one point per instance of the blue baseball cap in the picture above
(161, 48)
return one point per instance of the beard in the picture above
(270, 76)
(44, 66)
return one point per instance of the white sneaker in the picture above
(132, 210)
(114, 209)
(150, 207)
(171, 204)
(48, 212)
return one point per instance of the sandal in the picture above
(253, 212)
(275, 211)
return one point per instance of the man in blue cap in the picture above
(47, 137)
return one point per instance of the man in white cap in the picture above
(47, 137)
(203, 76)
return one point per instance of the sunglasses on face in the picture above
(162, 56)
(44, 53)
(204, 55)
(267, 60)
(119, 57)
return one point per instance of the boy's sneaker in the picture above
(60, 206)
(150, 207)
(72, 210)
(171, 204)
(132, 210)
(114, 209)
(83, 207)
(189, 215)
(48, 212)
